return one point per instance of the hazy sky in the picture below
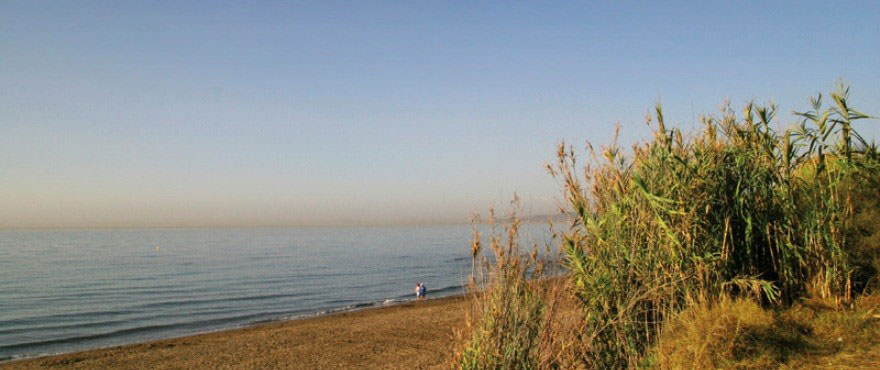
(292, 113)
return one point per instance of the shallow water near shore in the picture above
(73, 290)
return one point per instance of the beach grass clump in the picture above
(740, 333)
(710, 225)
(729, 333)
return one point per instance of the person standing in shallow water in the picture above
(418, 290)
(423, 290)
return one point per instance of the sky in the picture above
(183, 114)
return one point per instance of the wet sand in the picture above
(414, 335)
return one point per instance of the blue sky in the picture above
(313, 113)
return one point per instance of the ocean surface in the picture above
(71, 290)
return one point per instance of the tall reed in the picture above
(733, 208)
(505, 316)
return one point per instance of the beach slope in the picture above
(415, 335)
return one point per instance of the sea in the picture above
(71, 290)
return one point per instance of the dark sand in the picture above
(415, 335)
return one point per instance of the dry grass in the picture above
(727, 333)
(738, 333)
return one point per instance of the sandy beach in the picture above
(414, 335)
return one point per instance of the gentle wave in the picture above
(239, 319)
(133, 330)
(66, 291)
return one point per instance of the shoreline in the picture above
(446, 292)
(412, 319)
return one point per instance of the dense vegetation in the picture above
(735, 221)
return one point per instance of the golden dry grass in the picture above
(740, 334)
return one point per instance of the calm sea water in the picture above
(63, 291)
